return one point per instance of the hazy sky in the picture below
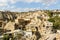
(26, 5)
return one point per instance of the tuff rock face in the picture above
(34, 24)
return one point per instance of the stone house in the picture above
(48, 27)
(56, 14)
(10, 26)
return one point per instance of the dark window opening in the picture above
(32, 32)
(54, 31)
(47, 26)
(36, 28)
(40, 15)
(19, 27)
(10, 35)
(43, 25)
(0, 24)
(44, 19)
(54, 39)
(16, 26)
(8, 30)
(45, 32)
(23, 28)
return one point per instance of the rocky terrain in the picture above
(32, 25)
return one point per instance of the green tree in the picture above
(6, 37)
(56, 22)
(50, 14)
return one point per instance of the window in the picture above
(16, 26)
(19, 28)
(36, 28)
(43, 25)
(44, 19)
(54, 39)
(0, 24)
(54, 31)
(45, 32)
(47, 26)
(40, 15)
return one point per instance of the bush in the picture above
(56, 22)
(51, 20)
(6, 37)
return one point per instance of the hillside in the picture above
(36, 25)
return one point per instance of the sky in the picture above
(27, 5)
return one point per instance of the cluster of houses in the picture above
(33, 25)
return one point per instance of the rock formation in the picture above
(34, 24)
